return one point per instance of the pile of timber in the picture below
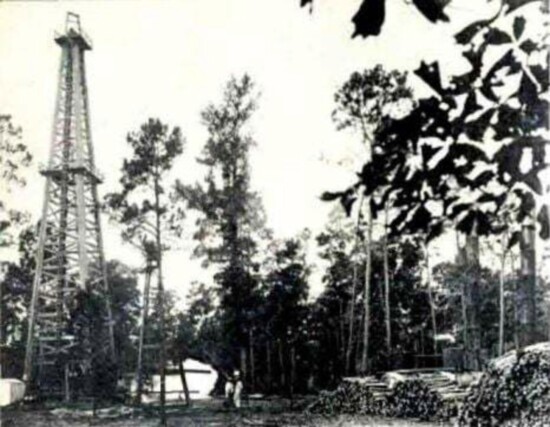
(451, 386)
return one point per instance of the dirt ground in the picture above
(203, 415)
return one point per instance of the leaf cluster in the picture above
(476, 148)
(370, 17)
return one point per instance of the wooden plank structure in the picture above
(451, 386)
(69, 260)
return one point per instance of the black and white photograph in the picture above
(274, 213)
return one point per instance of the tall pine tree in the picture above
(231, 214)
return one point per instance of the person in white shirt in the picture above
(237, 389)
(229, 391)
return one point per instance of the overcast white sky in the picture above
(169, 59)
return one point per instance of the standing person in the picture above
(237, 389)
(229, 391)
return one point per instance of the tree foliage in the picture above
(230, 212)
(142, 207)
(477, 145)
(154, 149)
(14, 158)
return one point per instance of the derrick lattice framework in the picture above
(70, 321)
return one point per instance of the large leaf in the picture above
(533, 181)
(329, 196)
(519, 26)
(514, 239)
(420, 219)
(429, 73)
(528, 46)
(507, 60)
(432, 9)
(483, 178)
(466, 35)
(527, 90)
(497, 37)
(541, 74)
(436, 230)
(527, 204)
(457, 209)
(516, 4)
(369, 18)
(470, 106)
(466, 225)
(471, 152)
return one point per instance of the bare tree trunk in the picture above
(251, 355)
(355, 276)
(269, 366)
(527, 288)
(161, 308)
(387, 287)
(368, 267)
(516, 276)
(465, 325)
(242, 363)
(341, 334)
(281, 364)
(292, 369)
(144, 313)
(501, 304)
(366, 299)
(473, 267)
(430, 296)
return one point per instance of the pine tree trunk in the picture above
(474, 300)
(501, 305)
(144, 314)
(368, 267)
(431, 297)
(281, 365)
(355, 276)
(341, 334)
(387, 288)
(465, 325)
(161, 308)
(242, 363)
(366, 299)
(516, 269)
(251, 356)
(527, 288)
(292, 369)
(269, 366)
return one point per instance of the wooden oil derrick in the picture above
(70, 322)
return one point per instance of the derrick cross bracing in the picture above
(70, 321)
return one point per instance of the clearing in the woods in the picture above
(203, 414)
